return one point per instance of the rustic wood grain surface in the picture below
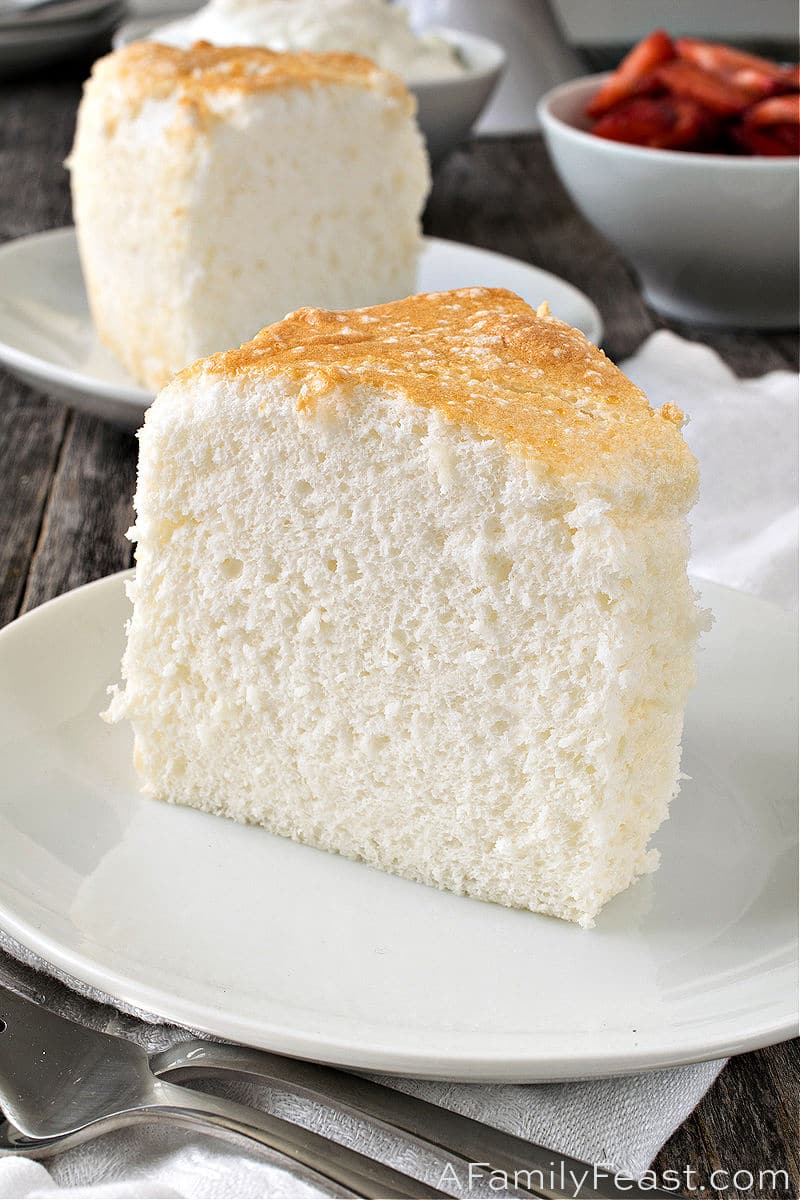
(66, 481)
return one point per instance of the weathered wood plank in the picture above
(747, 1123)
(88, 511)
(36, 125)
(787, 345)
(31, 433)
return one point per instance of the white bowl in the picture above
(448, 107)
(713, 238)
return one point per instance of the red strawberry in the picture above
(719, 95)
(778, 110)
(666, 124)
(725, 60)
(641, 61)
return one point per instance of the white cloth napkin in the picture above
(744, 534)
(744, 433)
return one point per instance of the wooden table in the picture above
(66, 482)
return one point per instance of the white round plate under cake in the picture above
(253, 938)
(48, 340)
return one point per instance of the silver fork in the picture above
(59, 1080)
(528, 1169)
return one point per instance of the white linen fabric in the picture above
(744, 432)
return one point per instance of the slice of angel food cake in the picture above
(215, 189)
(411, 586)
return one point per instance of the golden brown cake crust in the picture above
(150, 70)
(484, 358)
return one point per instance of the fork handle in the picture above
(334, 1161)
(530, 1169)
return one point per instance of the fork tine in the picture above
(45, 1055)
(59, 1078)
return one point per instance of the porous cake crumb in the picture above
(411, 586)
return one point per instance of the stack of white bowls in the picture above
(36, 33)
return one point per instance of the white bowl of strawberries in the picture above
(686, 158)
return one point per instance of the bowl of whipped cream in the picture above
(451, 73)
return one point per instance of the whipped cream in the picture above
(373, 28)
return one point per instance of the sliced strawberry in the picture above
(691, 82)
(642, 60)
(757, 83)
(695, 126)
(664, 124)
(775, 141)
(778, 110)
(724, 60)
(638, 122)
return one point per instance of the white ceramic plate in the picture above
(225, 928)
(48, 340)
